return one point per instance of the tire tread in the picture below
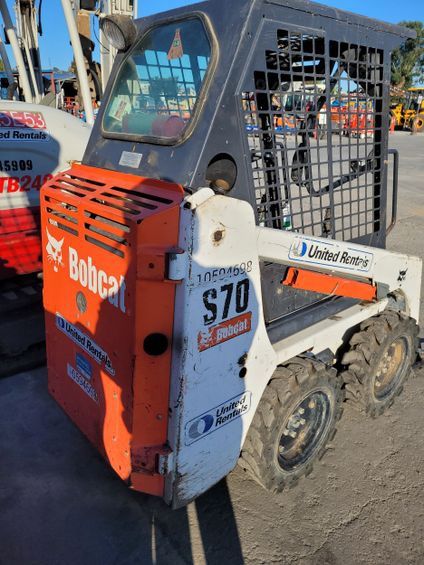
(285, 386)
(365, 348)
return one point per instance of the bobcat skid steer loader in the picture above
(218, 283)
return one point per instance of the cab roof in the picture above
(305, 6)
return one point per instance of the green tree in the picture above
(408, 60)
(1, 65)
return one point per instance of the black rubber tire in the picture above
(367, 349)
(418, 123)
(290, 384)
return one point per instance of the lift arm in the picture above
(381, 270)
(304, 279)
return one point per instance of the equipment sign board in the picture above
(22, 120)
(23, 126)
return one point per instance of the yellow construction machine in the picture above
(409, 110)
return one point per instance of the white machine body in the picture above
(223, 357)
(36, 142)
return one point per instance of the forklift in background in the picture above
(217, 285)
(409, 111)
(36, 141)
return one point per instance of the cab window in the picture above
(157, 90)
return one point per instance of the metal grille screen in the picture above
(314, 128)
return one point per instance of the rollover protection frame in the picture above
(265, 126)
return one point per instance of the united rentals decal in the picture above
(23, 126)
(331, 254)
(217, 417)
(85, 342)
(18, 135)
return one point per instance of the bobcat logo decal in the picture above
(54, 251)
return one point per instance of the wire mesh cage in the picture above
(314, 126)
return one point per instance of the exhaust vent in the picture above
(105, 205)
(62, 215)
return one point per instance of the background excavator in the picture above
(37, 141)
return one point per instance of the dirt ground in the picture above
(363, 504)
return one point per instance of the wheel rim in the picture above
(391, 369)
(303, 430)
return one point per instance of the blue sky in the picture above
(55, 49)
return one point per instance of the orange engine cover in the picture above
(109, 311)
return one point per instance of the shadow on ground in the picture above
(60, 503)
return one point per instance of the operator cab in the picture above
(236, 96)
(159, 86)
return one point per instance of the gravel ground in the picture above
(364, 503)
